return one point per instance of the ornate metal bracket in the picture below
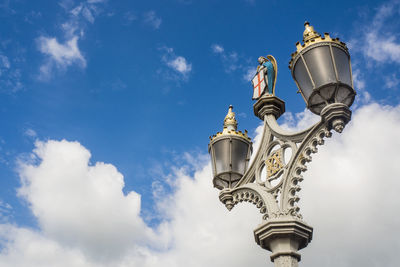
(272, 180)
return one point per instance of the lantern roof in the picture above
(311, 37)
(230, 127)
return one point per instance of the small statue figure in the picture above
(265, 78)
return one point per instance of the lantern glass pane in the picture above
(317, 108)
(222, 157)
(348, 100)
(342, 94)
(328, 92)
(302, 78)
(342, 65)
(220, 184)
(239, 155)
(319, 63)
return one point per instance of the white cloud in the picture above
(217, 48)
(349, 196)
(63, 54)
(180, 65)
(87, 9)
(359, 82)
(350, 193)
(30, 133)
(249, 74)
(381, 43)
(10, 76)
(392, 81)
(59, 55)
(233, 62)
(80, 205)
(23, 247)
(4, 62)
(128, 17)
(382, 49)
(299, 121)
(6, 212)
(152, 19)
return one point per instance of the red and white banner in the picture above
(259, 84)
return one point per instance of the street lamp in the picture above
(230, 152)
(322, 71)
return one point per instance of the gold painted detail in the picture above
(309, 32)
(230, 119)
(274, 163)
(230, 127)
(310, 37)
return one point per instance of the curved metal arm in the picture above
(276, 194)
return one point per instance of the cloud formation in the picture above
(381, 43)
(152, 19)
(349, 196)
(216, 48)
(232, 62)
(10, 74)
(61, 55)
(180, 65)
(80, 205)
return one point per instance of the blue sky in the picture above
(142, 84)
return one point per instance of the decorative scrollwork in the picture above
(279, 200)
(276, 195)
(302, 157)
(274, 163)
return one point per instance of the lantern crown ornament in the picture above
(309, 32)
(230, 127)
(230, 122)
(230, 152)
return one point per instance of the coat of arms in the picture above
(265, 78)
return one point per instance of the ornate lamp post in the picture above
(322, 71)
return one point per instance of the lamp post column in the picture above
(285, 235)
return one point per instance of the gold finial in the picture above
(311, 37)
(230, 127)
(309, 32)
(230, 122)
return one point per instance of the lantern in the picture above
(322, 71)
(230, 152)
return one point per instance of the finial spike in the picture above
(309, 32)
(230, 122)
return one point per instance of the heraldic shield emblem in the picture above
(265, 78)
(259, 84)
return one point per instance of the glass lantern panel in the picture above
(328, 92)
(220, 184)
(222, 157)
(348, 100)
(342, 65)
(319, 63)
(302, 78)
(342, 94)
(318, 108)
(239, 155)
(316, 99)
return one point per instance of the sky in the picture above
(106, 109)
